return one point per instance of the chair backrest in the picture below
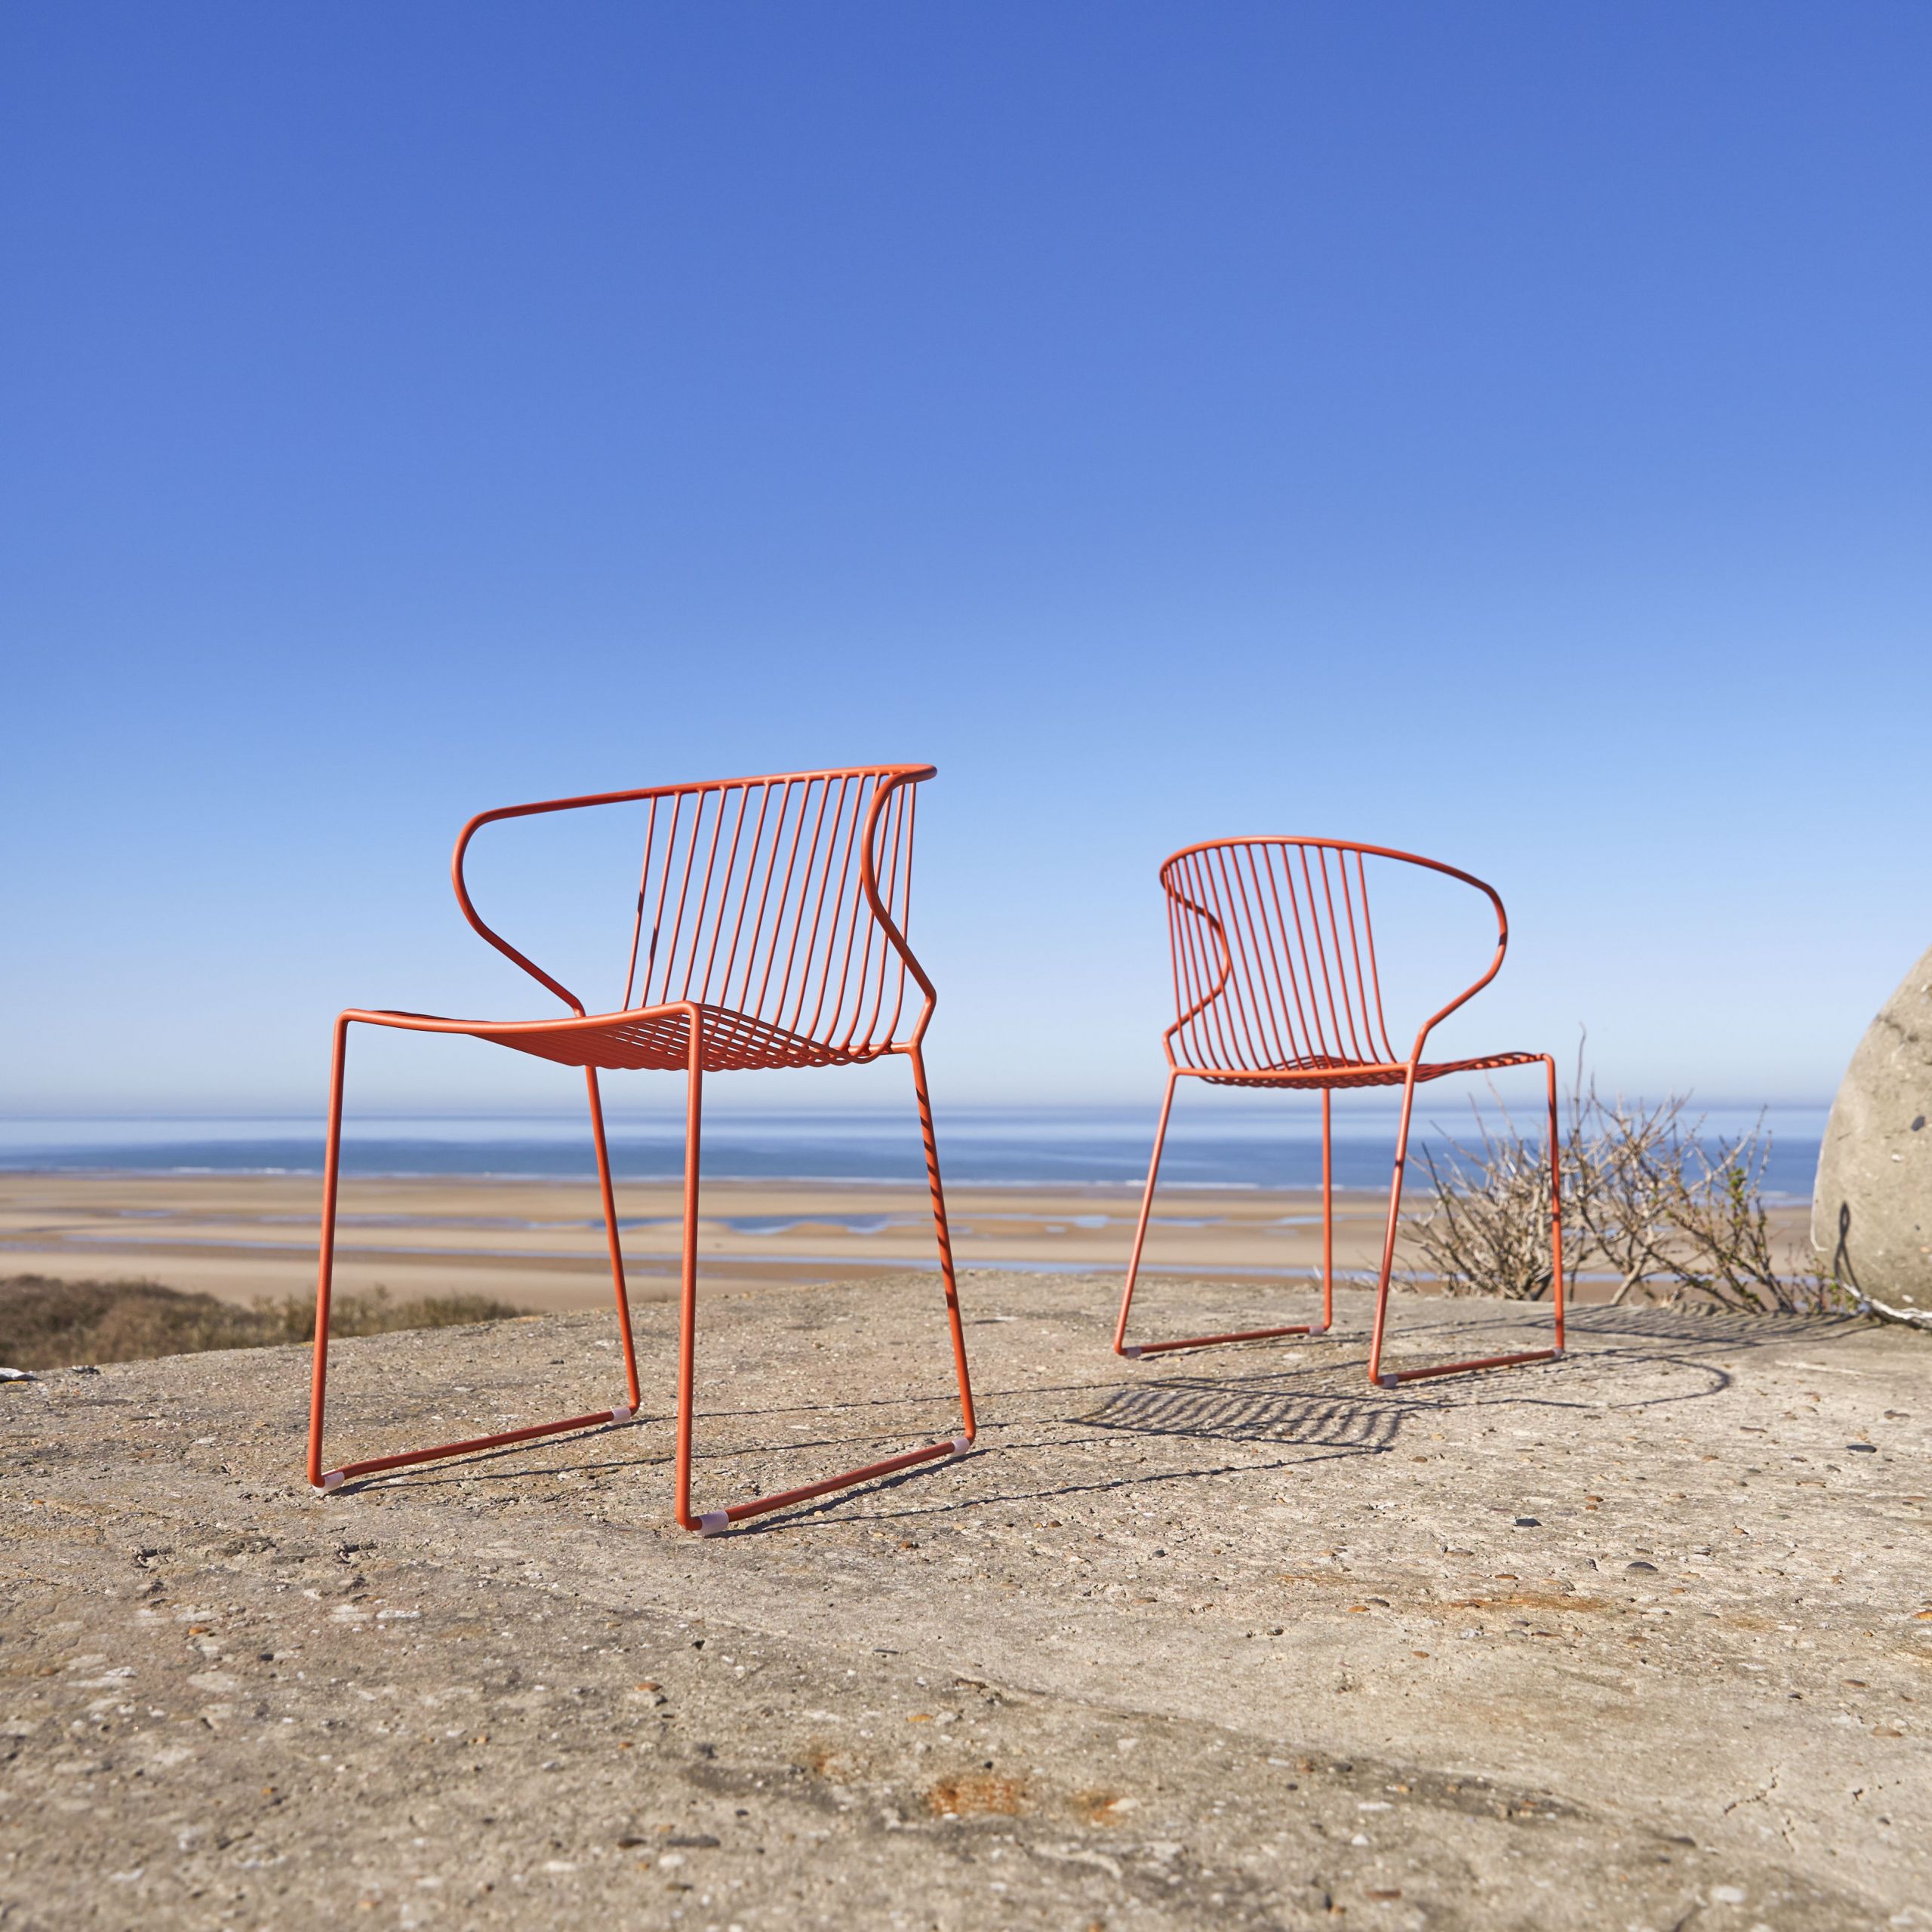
(784, 898)
(1274, 954)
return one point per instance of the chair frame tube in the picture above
(713, 1522)
(324, 1481)
(1240, 1063)
(1133, 1351)
(1395, 1377)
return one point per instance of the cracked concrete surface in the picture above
(1643, 1639)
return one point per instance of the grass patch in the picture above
(46, 1324)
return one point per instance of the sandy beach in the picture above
(540, 1243)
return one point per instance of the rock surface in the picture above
(1872, 1211)
(1224, 1640)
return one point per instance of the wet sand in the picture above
(540, 1243)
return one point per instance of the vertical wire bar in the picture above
(849, 880)
(1341, 962)
(637, 925)
(814, 787)
(663, 890)
(1277, 867)
(822, 870)
(832, 885)
(898, 810)
(1374, 972)
(772, 845)
(903, 911)
(700, 800)
(1337, 974)
(1242, 937)
(722, 795)
(885, 880)
(1321, 956)
(820, 791)
(733, 879)
(1241, 979)
(1317, 1040)
(861, 913)
(1265, 955)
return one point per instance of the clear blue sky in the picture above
(1499, 430)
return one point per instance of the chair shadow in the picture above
(1314, 1425)
(1247, 1404)
(1724, 1327)
(1215, 1411)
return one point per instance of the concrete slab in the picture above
(1643, 1639)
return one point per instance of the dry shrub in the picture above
(46, 1324)
(1676, 1217)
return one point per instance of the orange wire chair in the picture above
(770, 932)
(1276, 985)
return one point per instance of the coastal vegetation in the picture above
(49, 1324)
(1670, 1214)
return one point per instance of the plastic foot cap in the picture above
(332, 1480)
(620, 1413)
(713, 1523)
(1132, 1352)
(961, 1443)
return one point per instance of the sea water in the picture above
(1242, 1146)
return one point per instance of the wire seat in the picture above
(769, 933)
(1340, 1073)
(654, 1041)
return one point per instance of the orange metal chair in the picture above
(1276, 985)
(770, 932)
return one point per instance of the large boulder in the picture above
(1871, 1213)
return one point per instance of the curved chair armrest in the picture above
(869, 879)
(1435, 1019)
(476, 919)
(1213, 992)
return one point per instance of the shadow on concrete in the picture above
(1216, 1411)
(1713, 1326)
(1240, 1400)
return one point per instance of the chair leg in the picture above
(687, 1292)
(319, 1374)
(1134, 1350)
(1397, 1376)
(715, 1522)
(944, 1235)
(323, 1481)
(1328, 1216)
(613, 1238)
(1141, 1226)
